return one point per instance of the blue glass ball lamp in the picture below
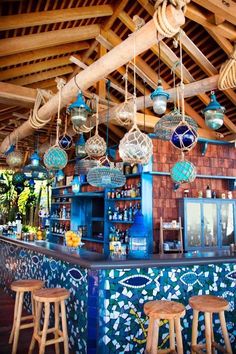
(183, 172)
(65, 141)
(79, 111)
(80, 147)
(184, 137)
(55, 158)
(160, 98)
(75, 184)
(214, 113)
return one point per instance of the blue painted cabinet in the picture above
(208, 223)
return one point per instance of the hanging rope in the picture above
(60, 85)
(227, 77)
(162, 24)
(134, 98)
(41, 98)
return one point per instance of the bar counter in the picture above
(105, 309)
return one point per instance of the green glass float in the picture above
(183, 172)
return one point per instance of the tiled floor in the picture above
(6, 315)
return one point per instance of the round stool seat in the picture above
(27, 285)
(163, 309)
(208, 303)
(51, 295)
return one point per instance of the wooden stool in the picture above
(209, 304)
(20, 287)
(164, 310)
(47, 296)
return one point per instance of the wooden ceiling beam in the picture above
(115, 14)
(17, 95)
(33, 68)
(223, 42)
(29, 42)
(101, 84)
(54, 16)
(64, 70)
(222, 9)
(226, 30)
(42, 53)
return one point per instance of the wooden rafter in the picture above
(14, 45)
(223, 10)
(54, 16)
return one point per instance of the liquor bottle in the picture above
(112, 194)
(129, 191)
(63, 213)
(208, 192)
(130, 213)
(125, 214)
(115, 213)
(132, 192)
(109, 213)
(120, 214)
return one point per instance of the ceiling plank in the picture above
(223, 42)
(33, 68)
(101, 84)
(42, 53)
(14, 45)
(225, 9)
(54, 16)
(116, 13)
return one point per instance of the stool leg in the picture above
(172, 334)
(149, 335)
(194, 330)
(57, 320)
(208, 332)
(179, 341)
(225, 332)
(14, 317)
(32, 304)
(38, 310)
(17, 323)
(64, 327)
(212, 334)
(45, 328)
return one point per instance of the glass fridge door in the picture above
(210, 231)
(193, 227)
(227, 223)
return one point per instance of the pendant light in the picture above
(55, 158)
(79, 110)
(106, 175)
(14, 158)
(183, 171)
(35, 170)
(65, 140)
(159, 96)
(80, 147)
(214, 113)
(184, 137)
(135, 147)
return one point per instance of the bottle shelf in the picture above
(59, 219)
(68, 186)
(91, 239)
(123, 199)
(55, 234)
(60, 203)
(120, 222)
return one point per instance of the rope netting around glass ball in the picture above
(14, 159)
(106, 177)
(183, 172)
(124, 114)
(83, 166)
(95, 146)
(184, 137)
(136, 147)
(166, 125)
(55, 158)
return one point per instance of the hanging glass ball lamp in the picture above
(18, 179)
(214, 113)
(35, 170)
(55, 158)
(124, 114)
(79, 111)
(80, 147)
(159, 97)
(75, 184)
(183, 172)
(105, 177)
(184, 137)
(135, 147)
(95, 146)
(60, 175)
(14, 159)
(65, 141)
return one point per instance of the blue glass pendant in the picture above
(184, 137)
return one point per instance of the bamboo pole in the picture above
(145, 38)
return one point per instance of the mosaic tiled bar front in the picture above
(105, 310)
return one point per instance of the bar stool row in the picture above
(172, 311)
(40, 297)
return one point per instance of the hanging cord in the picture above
(135, 107)
(144, 104)
(65, 129)
(173, 71)
(108, 112)
(159, 61)
(181, 78)
(126, 82)
(60, 85)
(227, 78)
(97, 100)
(160, 19)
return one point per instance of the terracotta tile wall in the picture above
(218, 160)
